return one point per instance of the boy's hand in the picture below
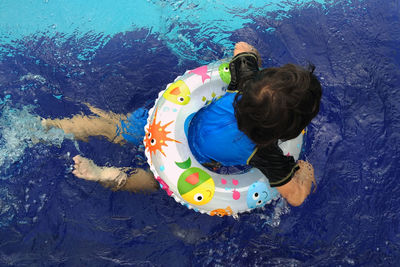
(297, 190)
(241, 47)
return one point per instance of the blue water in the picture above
(57, 55)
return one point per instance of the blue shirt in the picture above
(214, 135)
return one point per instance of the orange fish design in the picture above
(222, 212)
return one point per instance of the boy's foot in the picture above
(110, 177)
(45, 123)
(86, 169)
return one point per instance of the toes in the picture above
(77, 158)
(80, 172)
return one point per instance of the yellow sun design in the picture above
(156, 136)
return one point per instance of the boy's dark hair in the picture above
(277, 103)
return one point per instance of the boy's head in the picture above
(278, 103)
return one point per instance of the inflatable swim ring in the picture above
(175, 167)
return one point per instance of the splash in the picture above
(273, 218)
(21, 129)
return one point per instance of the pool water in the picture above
(56, 55)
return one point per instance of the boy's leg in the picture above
(82, 127)
(127, 179)
(140, 180)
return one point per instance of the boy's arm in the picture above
(292, 179)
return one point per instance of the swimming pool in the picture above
(57, 55)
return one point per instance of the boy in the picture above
(262, 107)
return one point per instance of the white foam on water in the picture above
(21, 129)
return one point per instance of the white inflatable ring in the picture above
(175, 167)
